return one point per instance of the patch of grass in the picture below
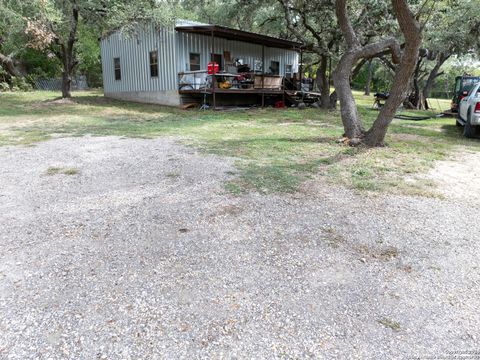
(275, 150)
(63, 171)
(269, 178)
(234, 188)
(394, 325)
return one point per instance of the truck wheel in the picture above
(469, 131)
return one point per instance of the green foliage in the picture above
(40, 65)
(13, 15)
(251, 15)
(89, 60)
(13, 83)
(453, 27)
(4, 86)
(20, 84)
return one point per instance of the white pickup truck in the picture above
(469, 112)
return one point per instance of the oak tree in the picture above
(406, 58)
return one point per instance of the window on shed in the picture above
(118, 71)
(288, 71)
(194, 62)
(274, 67)
(153, 63)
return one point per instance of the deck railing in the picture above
(194, 80)
(202, 81)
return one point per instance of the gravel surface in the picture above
(459, 178)
(140, 254)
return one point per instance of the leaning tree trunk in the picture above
(412, 32)
(8, 63)
(352, 124)
(433, 76)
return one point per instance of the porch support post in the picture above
(214, 78)
(263, 75)
(301, 67)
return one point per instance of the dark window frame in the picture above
(277, 68)
(153, 63)
(193, 66)
(117, 69)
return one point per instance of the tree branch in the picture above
(345, 24)
(9, 65)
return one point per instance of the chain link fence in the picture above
(79, 83)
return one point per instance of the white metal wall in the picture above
(173, 53)
(134, 51)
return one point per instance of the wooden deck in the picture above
(233, 97)
(233, 91)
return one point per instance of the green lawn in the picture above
(275, 149)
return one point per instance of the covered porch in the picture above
(240, 80)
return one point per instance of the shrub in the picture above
(21, 84)
(4, 86)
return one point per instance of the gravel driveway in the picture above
(140, 254)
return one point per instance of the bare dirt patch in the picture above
(48, 103)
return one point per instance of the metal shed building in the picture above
(150, 65)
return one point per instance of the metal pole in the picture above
(301, 68)
(212, 59)
(263, 75)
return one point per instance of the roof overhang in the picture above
(239, 35)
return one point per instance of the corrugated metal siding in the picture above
(173, 54)
(195, 43)
(133, 52)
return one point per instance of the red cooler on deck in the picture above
(212, 68)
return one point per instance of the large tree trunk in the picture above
(318, 80)
(352, 124)
(412, 32)
(369, 77)
(442, 57)
(416, 98)
(325, 92)
(66, 83)
(355, 51)
(68, 53)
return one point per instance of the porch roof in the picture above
(234, 34)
